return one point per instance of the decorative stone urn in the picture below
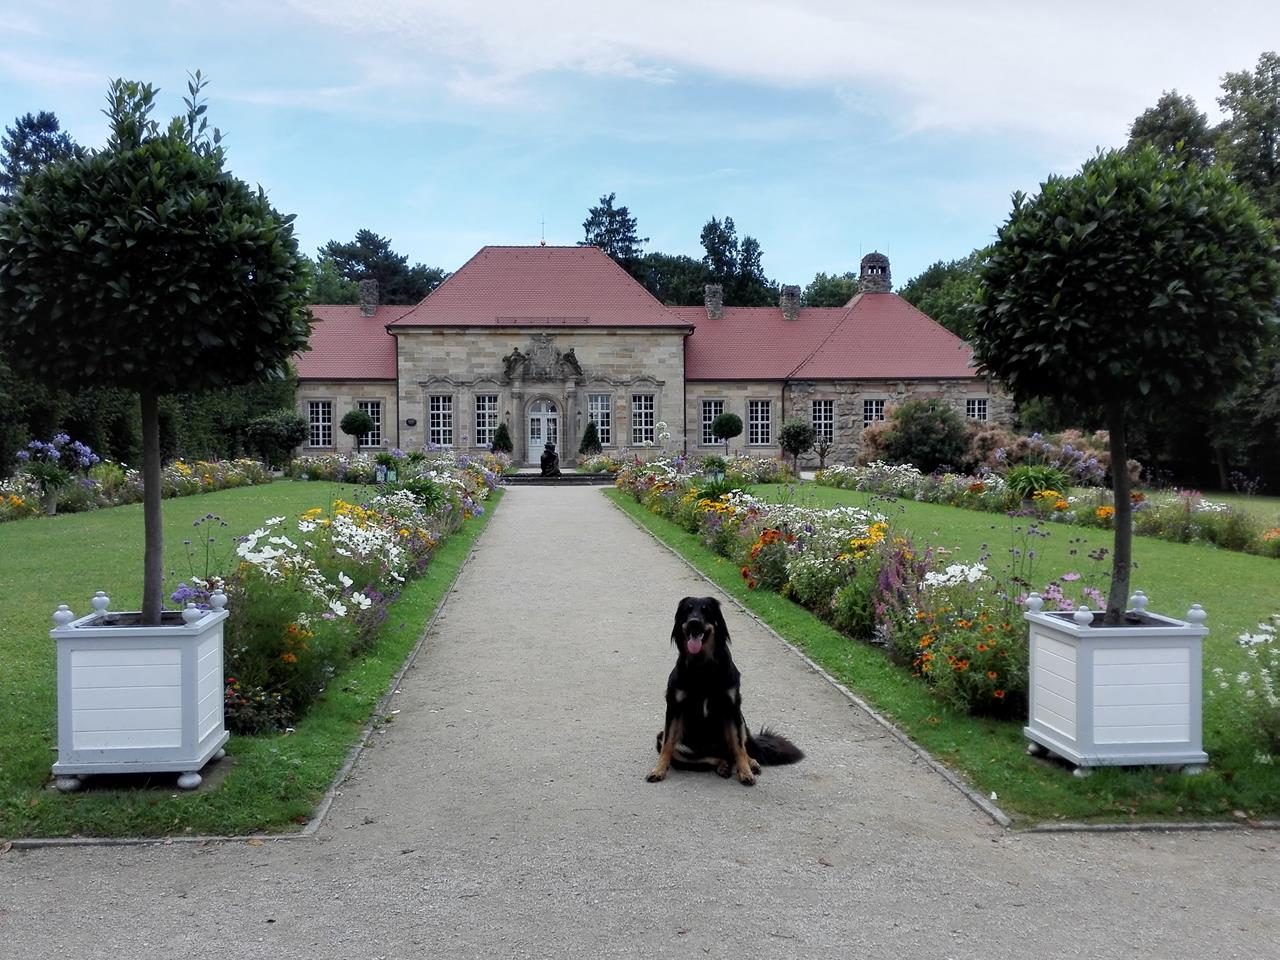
(1127, 695)
(139, 699)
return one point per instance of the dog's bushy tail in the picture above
(772, 748)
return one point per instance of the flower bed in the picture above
(309, 594)
(1181, 517)
(108, 484)
(957, 628)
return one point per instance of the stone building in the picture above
(546, 339)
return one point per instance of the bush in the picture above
(274, 436)
(1029, 479)
(502, 440)
(590, 445)
(928, 433)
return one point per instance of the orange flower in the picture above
(1105, 513)
(982, 648)
(999, 694)
(991, 674)
(288, 657)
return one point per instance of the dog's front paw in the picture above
(755, 767)
(724, 769)
(745, 776)
(656, 775)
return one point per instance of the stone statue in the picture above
(550, 461)
(571, 360)
(512, 362)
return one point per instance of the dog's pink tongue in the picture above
(693, 646)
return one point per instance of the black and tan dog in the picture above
(704, 729)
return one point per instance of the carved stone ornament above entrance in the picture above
(541, 361)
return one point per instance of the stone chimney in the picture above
(368, 298)
(874, 276)
(789, 301)
(713, 296)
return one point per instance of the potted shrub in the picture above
(146, 266)
(590, 445)
(502, 440)
(1143, 281)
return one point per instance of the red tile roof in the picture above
(540, 287)
(348, 346)
(877, 336)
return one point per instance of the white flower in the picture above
(338, 607)
(272, 521)
(344, 579)
(361, 601)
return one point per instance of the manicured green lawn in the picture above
(1237, 590)
(274, 781)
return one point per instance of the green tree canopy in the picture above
(1250, 140)
(32, 143)
(1172, 121)
(1142, 281)
(830, 291)
(370, 257)
(736, 265)
(946, 291)
(677, 281)
(327, 285)
(147, 266)
(613, 230)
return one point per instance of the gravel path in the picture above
(504, 813)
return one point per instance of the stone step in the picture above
(564, 480)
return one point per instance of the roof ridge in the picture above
(848, 312)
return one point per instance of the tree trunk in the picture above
(152, 522)
(1220, 456)
(1122, 560)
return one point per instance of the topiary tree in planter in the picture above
(795, 437)
(355, 424)
(147, 266)
(590, 445)
(1142, 282)
(725, 427)
(502, 440)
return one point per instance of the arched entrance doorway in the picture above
(544, 427)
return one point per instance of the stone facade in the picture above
(548, 375)
(849, 398)
(343, 396)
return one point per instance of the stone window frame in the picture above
(705, 437)
(444, 428)
(977, 408)
(825, 428)
(872, 413)
(485, 431)
(643, 432)
(753, 423)
(604, 430)
(324, 424)
(373, 407)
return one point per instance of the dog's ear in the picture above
(722, 628)
(681, 607)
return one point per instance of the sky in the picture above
(825, 128)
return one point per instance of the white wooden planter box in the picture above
(1116, 696)
(135, 699)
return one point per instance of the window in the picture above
(320, 419)
(600, 409)
(374, 409)
(486, 418)
(976, 409)
(710, 410)
(642, 418)
(872, 410)
(440, 420)
(759, 429)
(824, 421)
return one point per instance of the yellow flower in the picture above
(1105, 513)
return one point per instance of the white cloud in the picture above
(1072, 73)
